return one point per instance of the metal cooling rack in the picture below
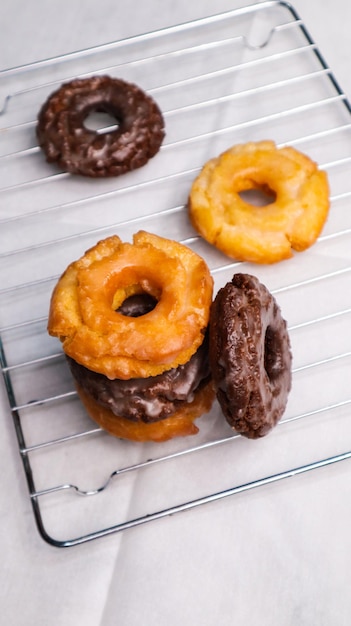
(248, 74)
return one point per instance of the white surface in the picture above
(278, 555)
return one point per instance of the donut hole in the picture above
(101, 121)
(273, 354)
(137, 305)
(258, 196)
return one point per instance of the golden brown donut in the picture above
(83, 310)
(292, 220)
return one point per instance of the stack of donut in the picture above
(133, 318)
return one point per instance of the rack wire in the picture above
(248, 74)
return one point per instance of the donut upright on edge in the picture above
(66, 140)
(250, 356)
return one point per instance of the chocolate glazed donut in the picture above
(66, 140)
(150, 399)
(250, 356)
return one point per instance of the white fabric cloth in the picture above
(277, 555)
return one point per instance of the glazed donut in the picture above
(296, 190)
(148, 409)
(85, 302)
(250, 356)
(84, 306)
(66, 140)
(148, 399)
(179, 424)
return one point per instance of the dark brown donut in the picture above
(151, 399)
(66, 141)
(250, 356)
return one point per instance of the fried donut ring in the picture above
(66, 141)
(179, 424)
(83, 309)
(292, 220)
(250, 356)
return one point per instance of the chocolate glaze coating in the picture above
(146, 399)
(66, 141)
(250, 356)
(137, 305)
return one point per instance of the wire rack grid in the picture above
(248, 74)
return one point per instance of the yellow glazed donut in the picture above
(291, 221)
(84, 306)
